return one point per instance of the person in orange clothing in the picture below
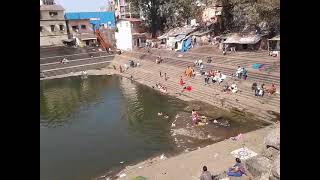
(188, 71)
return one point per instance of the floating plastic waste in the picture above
(163, 157)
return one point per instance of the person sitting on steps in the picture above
(206, 175)
(237, 170)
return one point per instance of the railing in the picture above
(101, 40)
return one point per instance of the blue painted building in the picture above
(96, 18)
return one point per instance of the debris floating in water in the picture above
(163, 157)
(166, 116)
(121, 162)
(159, 113)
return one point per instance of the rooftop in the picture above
(130, 19)
(86, 36)
(276, 38)
(242, 39)
(177, 31)
(54, 7)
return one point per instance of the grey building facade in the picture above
(53, 29)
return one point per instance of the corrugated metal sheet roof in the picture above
(201, 33)
(180, 37)
(236, 39)
(55, 7)
(177, 31)
(276, 38)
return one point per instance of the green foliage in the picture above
(164, 14)
(237, 14)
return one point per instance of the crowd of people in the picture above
(259, 91)
(162, 88)
(242, 73)
(215, 76)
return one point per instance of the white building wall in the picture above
(124, 36)
(171, 41)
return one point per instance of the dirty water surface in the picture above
(100, 124)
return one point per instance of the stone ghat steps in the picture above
(238, 62)
(53, 59)
(151, 78)
(70, 69)
(224, 64)
(63, 50)
(248, 56)
(75, 62)
(254, 77)
(245, 89)
(233, 58)
(201, 96)
(274, 100)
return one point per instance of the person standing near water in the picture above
(206, 175)
(194, 116)
(120, 69)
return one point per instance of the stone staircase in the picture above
(184, 62)
(80, 59)
(148, 74)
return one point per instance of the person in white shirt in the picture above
(64, 61)
(239, 72)
(234, 87)
(126, 67)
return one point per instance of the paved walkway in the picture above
(188, 166)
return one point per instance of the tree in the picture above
(164, 14)
(238, 14)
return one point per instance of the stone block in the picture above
(270, 153)
(258, 166)
(276, 167)
(273, 138)
(273, 178)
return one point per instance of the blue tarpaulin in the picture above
(186, 44)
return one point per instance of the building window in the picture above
(74, 28)
(41, 28)
(52, 13)
(61, 27)
(52, 28)
(83, 26)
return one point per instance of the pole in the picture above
(130, 9)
